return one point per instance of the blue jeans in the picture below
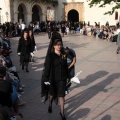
(14, 95)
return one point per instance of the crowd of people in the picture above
(59, 65)
(104, 32)
(10, 85)
(15, 29)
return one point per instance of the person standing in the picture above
(49, 32)
(118, 42)
(33, 44)
(24, 50)
(55, 35)
(56, 74)
(63, 29)
(67, 30)
(71, 60)
(23, 26)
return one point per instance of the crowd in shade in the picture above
(10, 85)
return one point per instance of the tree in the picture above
(103, 3)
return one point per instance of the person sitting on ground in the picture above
(8, 99)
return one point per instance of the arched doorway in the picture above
(73, 16)
(36, 12)
(21, 13)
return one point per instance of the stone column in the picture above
(43, 17)
(16, 16)
(12, 10)
(64, 14)
(28, 18)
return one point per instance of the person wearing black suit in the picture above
(24, 50)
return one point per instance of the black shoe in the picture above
(22, 67)
(62, 116)
(50, 109)
(117, 52)
(27, 70)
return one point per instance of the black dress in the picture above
(25, 48)
(33, 44)
(44, 88)
(56, 72)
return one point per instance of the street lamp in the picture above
(0, 14)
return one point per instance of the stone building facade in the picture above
(66, 10)
(79, 10)
(30, 11)
(5, 15)
(21, 10)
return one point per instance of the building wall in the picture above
(96, 14)
(9, 11)
(28, 10)
(92, 15)
(79, 7)
(5, 12)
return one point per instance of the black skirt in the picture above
(57, 89)
(25, 58)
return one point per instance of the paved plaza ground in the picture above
(97, 97)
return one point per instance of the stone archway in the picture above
(22, 13)
(78, 6)
(36, 13)
(73, 16)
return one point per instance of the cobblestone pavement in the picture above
(98, 95)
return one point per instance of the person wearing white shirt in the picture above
(23, 26)
(118, 30)
(67, 30)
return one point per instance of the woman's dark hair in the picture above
(32, 32)
(25, 30)
(67, 50)
(55, 43)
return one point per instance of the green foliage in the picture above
(103, 3)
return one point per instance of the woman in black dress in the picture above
(24, 50)
(33, 44)
(56, 74)
(63, 29)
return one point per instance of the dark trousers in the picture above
(49, 35)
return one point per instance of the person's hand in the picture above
(19, 54)
(47, 83)
(4, 63)
(32, 54)
(35, 48)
